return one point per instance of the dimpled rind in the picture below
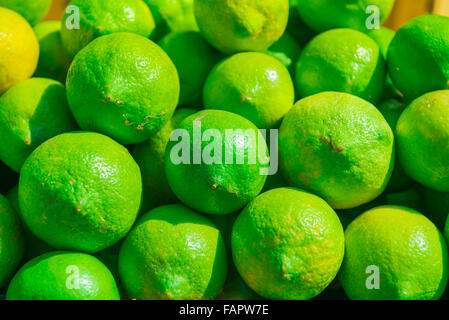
(322, 15)
(242, 25)
(342, 60)
(337, 146)
(19, 49)
(288, 244)
(102, 17)
(63, 275)
(217, 188)
(261, 91)
(31, 112)
(32, 10)
(125, 94)
(406, 249)
(418, 56)
(173, 253)
(80, 191)
(12, 241)
(194, 58)
(423, 140)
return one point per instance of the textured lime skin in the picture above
(63, 275)
(102, 17)
(19, 49)
(337, 146)
(253, 85)
(194, 58)
(53, 60)
(392, 109)
(407, 248)
(323, 15)
(217, 188)
(288, 244)
(418, 57)
(242, 25)
(150, 156)
(423, 140)
(33, 11)
(126, 94)
(341, 60)
(12, 241)
(173, 253)
(287, 51)
(31, 112)
(33, 245)
(80, 191)
(172, 16)
(436, 206)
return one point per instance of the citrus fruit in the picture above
(80, 191)
(63, 275)
(423, 140)
(33, 245)
(194, 58)
(330, 14)
(12, 241)
(337, 146)
(31, 112)
(383, 37)
(172, 16)
(214, 162)
(296, 27)
(243, 25)
(33, 11)
(19, 49)
(287, 51)
(392, 109)
(173, 253)
(150, 156)
(341, 60)
(288, 244)
(410, 198)
(235, 288)
(97, 18)
(436, 206)
(53, 61)
(126, 94)
(393, 253)
(418, 57)
(261, 91)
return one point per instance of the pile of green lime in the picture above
(222, 149)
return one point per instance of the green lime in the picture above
(394, 253)
(288, 244)
(12, 241)
(392, 109)
(262, 90)
(31, 112)
(244, 25)
(194, 58)
(83, 21)
(236, 289)
(63, 275)
(296, 26)
(33, 245)
(383, 37)
(32, 10)
(287, 51)
(330, 14)
(172, 16)
(436, 206)
(410, 198)
(422, 136)
(173, 253)
(53, 61)
(80, 191)
(150, 156)
(418, 57)
(215, 162)
(341, 60)
(126, 94)
(337, 146)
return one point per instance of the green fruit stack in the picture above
(223, 149)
